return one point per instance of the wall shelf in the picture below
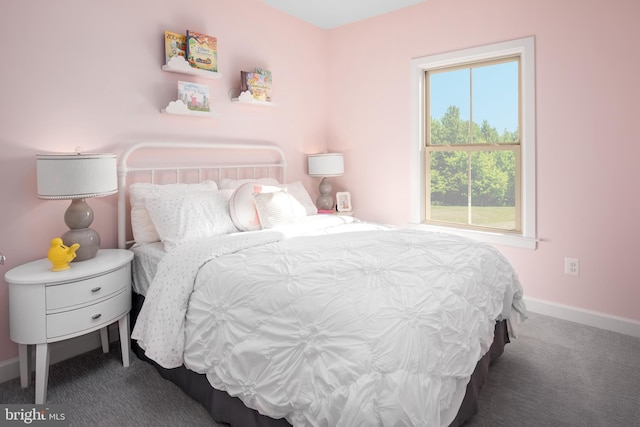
(179, 65)
(247, 98)
(180, 108)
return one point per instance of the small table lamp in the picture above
(77, 177)
(325, 165)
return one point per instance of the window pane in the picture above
(493, 189)
(490, 175)
(449, 186)
(495, 102)
(449, 103)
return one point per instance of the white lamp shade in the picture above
(76, 176)
(328, 164)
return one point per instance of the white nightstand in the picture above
(46, 307)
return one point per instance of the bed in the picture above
(272, 315)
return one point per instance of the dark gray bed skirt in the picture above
(231, 410)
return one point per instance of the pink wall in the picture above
(588, 202)
(88, 73)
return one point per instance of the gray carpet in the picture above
(559, 373)
(556, 373)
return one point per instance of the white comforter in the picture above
(377, 327)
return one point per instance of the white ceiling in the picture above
(333, 13)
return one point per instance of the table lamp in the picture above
(77, 177)
(325, 165)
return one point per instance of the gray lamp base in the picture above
(325, 201)
(78, 215)
(87, 238)
(78, 218)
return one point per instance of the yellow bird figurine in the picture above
(61, 255)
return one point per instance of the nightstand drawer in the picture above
(86, 291)
(78, 322)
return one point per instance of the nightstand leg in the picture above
(42, 372)
(125, 345)
(25, 359)
(104, 338)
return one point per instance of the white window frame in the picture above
(525, 48)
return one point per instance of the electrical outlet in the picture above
(572, 266)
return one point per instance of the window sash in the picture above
(470, 148)
(470, 66)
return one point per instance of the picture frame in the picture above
(343, 201)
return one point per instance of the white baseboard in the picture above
(586, 317)
(59, 351)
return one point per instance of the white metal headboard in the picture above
(217, 165)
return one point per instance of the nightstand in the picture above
(46, 307)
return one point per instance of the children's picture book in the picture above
(175, 44)
(202, 51)
(195, 96)
(257, 82)
(267, 80)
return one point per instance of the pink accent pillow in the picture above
(278, 208)
(242, 205)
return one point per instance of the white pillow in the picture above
(141, 224)
(233, 184)
(297, 190)
(278, 208)
(242, 205)
(184, 217)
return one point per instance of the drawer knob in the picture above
(96, 316)
(96, 289)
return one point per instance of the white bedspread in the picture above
(378, 327)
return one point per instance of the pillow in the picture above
(184, 217)
(278, 208)
(298, 191)
(242, 205)
(233, 184)
(141, 224)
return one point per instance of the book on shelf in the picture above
(202, 51)
(267, 76)
(195, 96)
(175, 44)
(257, 82)
(267, 81)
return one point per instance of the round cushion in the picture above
(242, 205)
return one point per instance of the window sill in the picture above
(506, 239)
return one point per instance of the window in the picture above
(473, 153)
(472, 146)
